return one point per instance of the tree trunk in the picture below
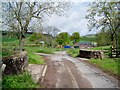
(21, 42)
(112, 45)
(117, 51)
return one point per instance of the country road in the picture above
(64, 71)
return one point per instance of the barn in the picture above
(84, 44)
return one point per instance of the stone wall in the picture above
(83, 53)
(15, 64)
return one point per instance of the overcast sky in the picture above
(74, 22)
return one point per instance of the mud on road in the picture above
(64, 71)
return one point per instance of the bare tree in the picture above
(17, 16)
(51, 30)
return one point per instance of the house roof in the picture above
(83, 43)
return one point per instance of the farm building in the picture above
(84, 45)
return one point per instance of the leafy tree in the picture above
(119, 39)
(105, 15)
(103, 38)
(48, 39)
(35, 37)
(63, 38)
(18, 16)
(75, 37)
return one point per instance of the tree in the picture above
(55, 31)
(35, 37)
(105, 15)
(75, 37)
(50, 33)
(18, 16)
(103, 38)
(63, 38)
(51, 30)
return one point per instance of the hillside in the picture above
(90, 38)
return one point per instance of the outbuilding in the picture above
(84, 44)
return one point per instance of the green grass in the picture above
(60, 49)
(106, 49)
(34, 58)
(6, 38)
(108, 65)
(73, 52)
(18, 81)
(11, 43)
(89, 39)
(46, 50)
(100, 48)
(6, 53)
(12, 38)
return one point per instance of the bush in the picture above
(35, 37)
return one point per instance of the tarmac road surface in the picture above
(64, 71)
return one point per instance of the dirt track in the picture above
(66, 72)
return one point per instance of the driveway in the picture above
(64, 71)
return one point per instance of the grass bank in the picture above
(74, 52)
(34, 58)
(109, 65)
(19, 81)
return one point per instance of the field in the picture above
(88, 38)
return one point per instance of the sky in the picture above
(74, 21)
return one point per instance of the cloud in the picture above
(74, 22)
